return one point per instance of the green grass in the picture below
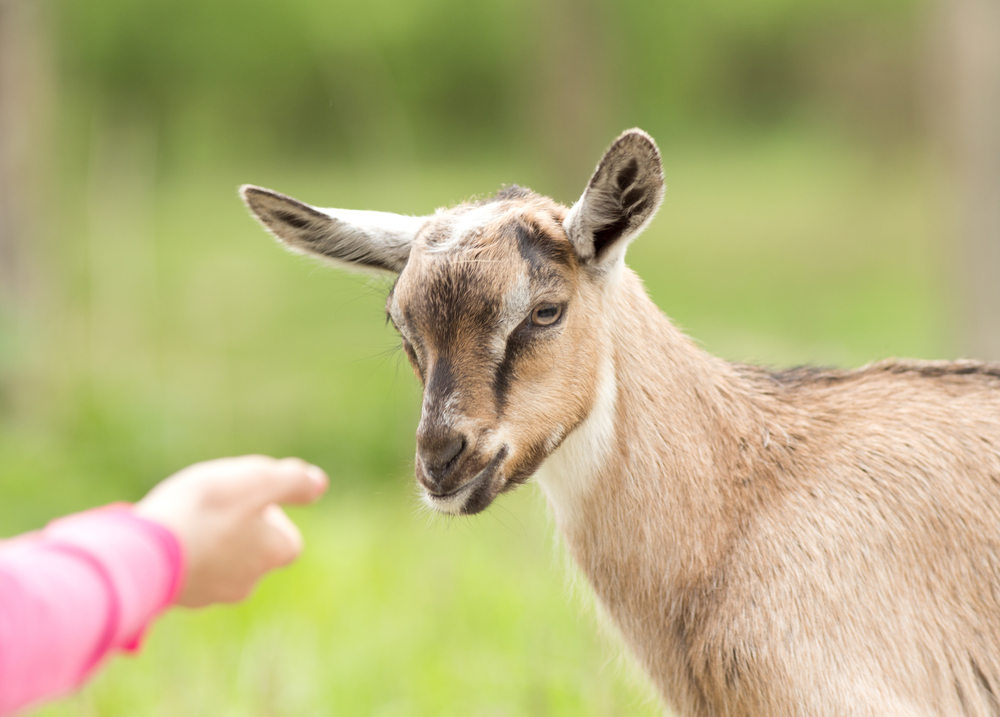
(167, 328)
(390, 612)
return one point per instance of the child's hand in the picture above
(225, 514)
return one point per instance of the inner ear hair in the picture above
(622, 196)
(358, 240)
(293, 222)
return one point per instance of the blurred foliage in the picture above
(349, 79)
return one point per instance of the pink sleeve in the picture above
(86, 585)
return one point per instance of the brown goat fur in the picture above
(796, 543)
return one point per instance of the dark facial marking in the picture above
(505, 374)
(538, 249)
(441, 382)
(482, 494)
(519, 344)
(455, 303)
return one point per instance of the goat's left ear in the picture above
(621, 198)
(372, 242)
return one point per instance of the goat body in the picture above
(797, 543)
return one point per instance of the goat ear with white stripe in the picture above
(620, 200)
(366, 241)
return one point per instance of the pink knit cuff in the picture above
(141, 563)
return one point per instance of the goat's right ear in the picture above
(621, 198)
(359, 240)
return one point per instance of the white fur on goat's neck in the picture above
(567, 475)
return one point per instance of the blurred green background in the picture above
(147, 322)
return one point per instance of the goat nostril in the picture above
(455, 448)
(440, 456)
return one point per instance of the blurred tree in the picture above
(24, 89)
(576, 100)
(971, 40)
(438, 75)
(18, 38)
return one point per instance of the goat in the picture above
(808, 542)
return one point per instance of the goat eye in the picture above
(546, 314)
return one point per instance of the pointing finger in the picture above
(291, 480)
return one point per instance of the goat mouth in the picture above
(473, 495)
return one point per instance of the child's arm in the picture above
(86, 585)
(91, 583)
